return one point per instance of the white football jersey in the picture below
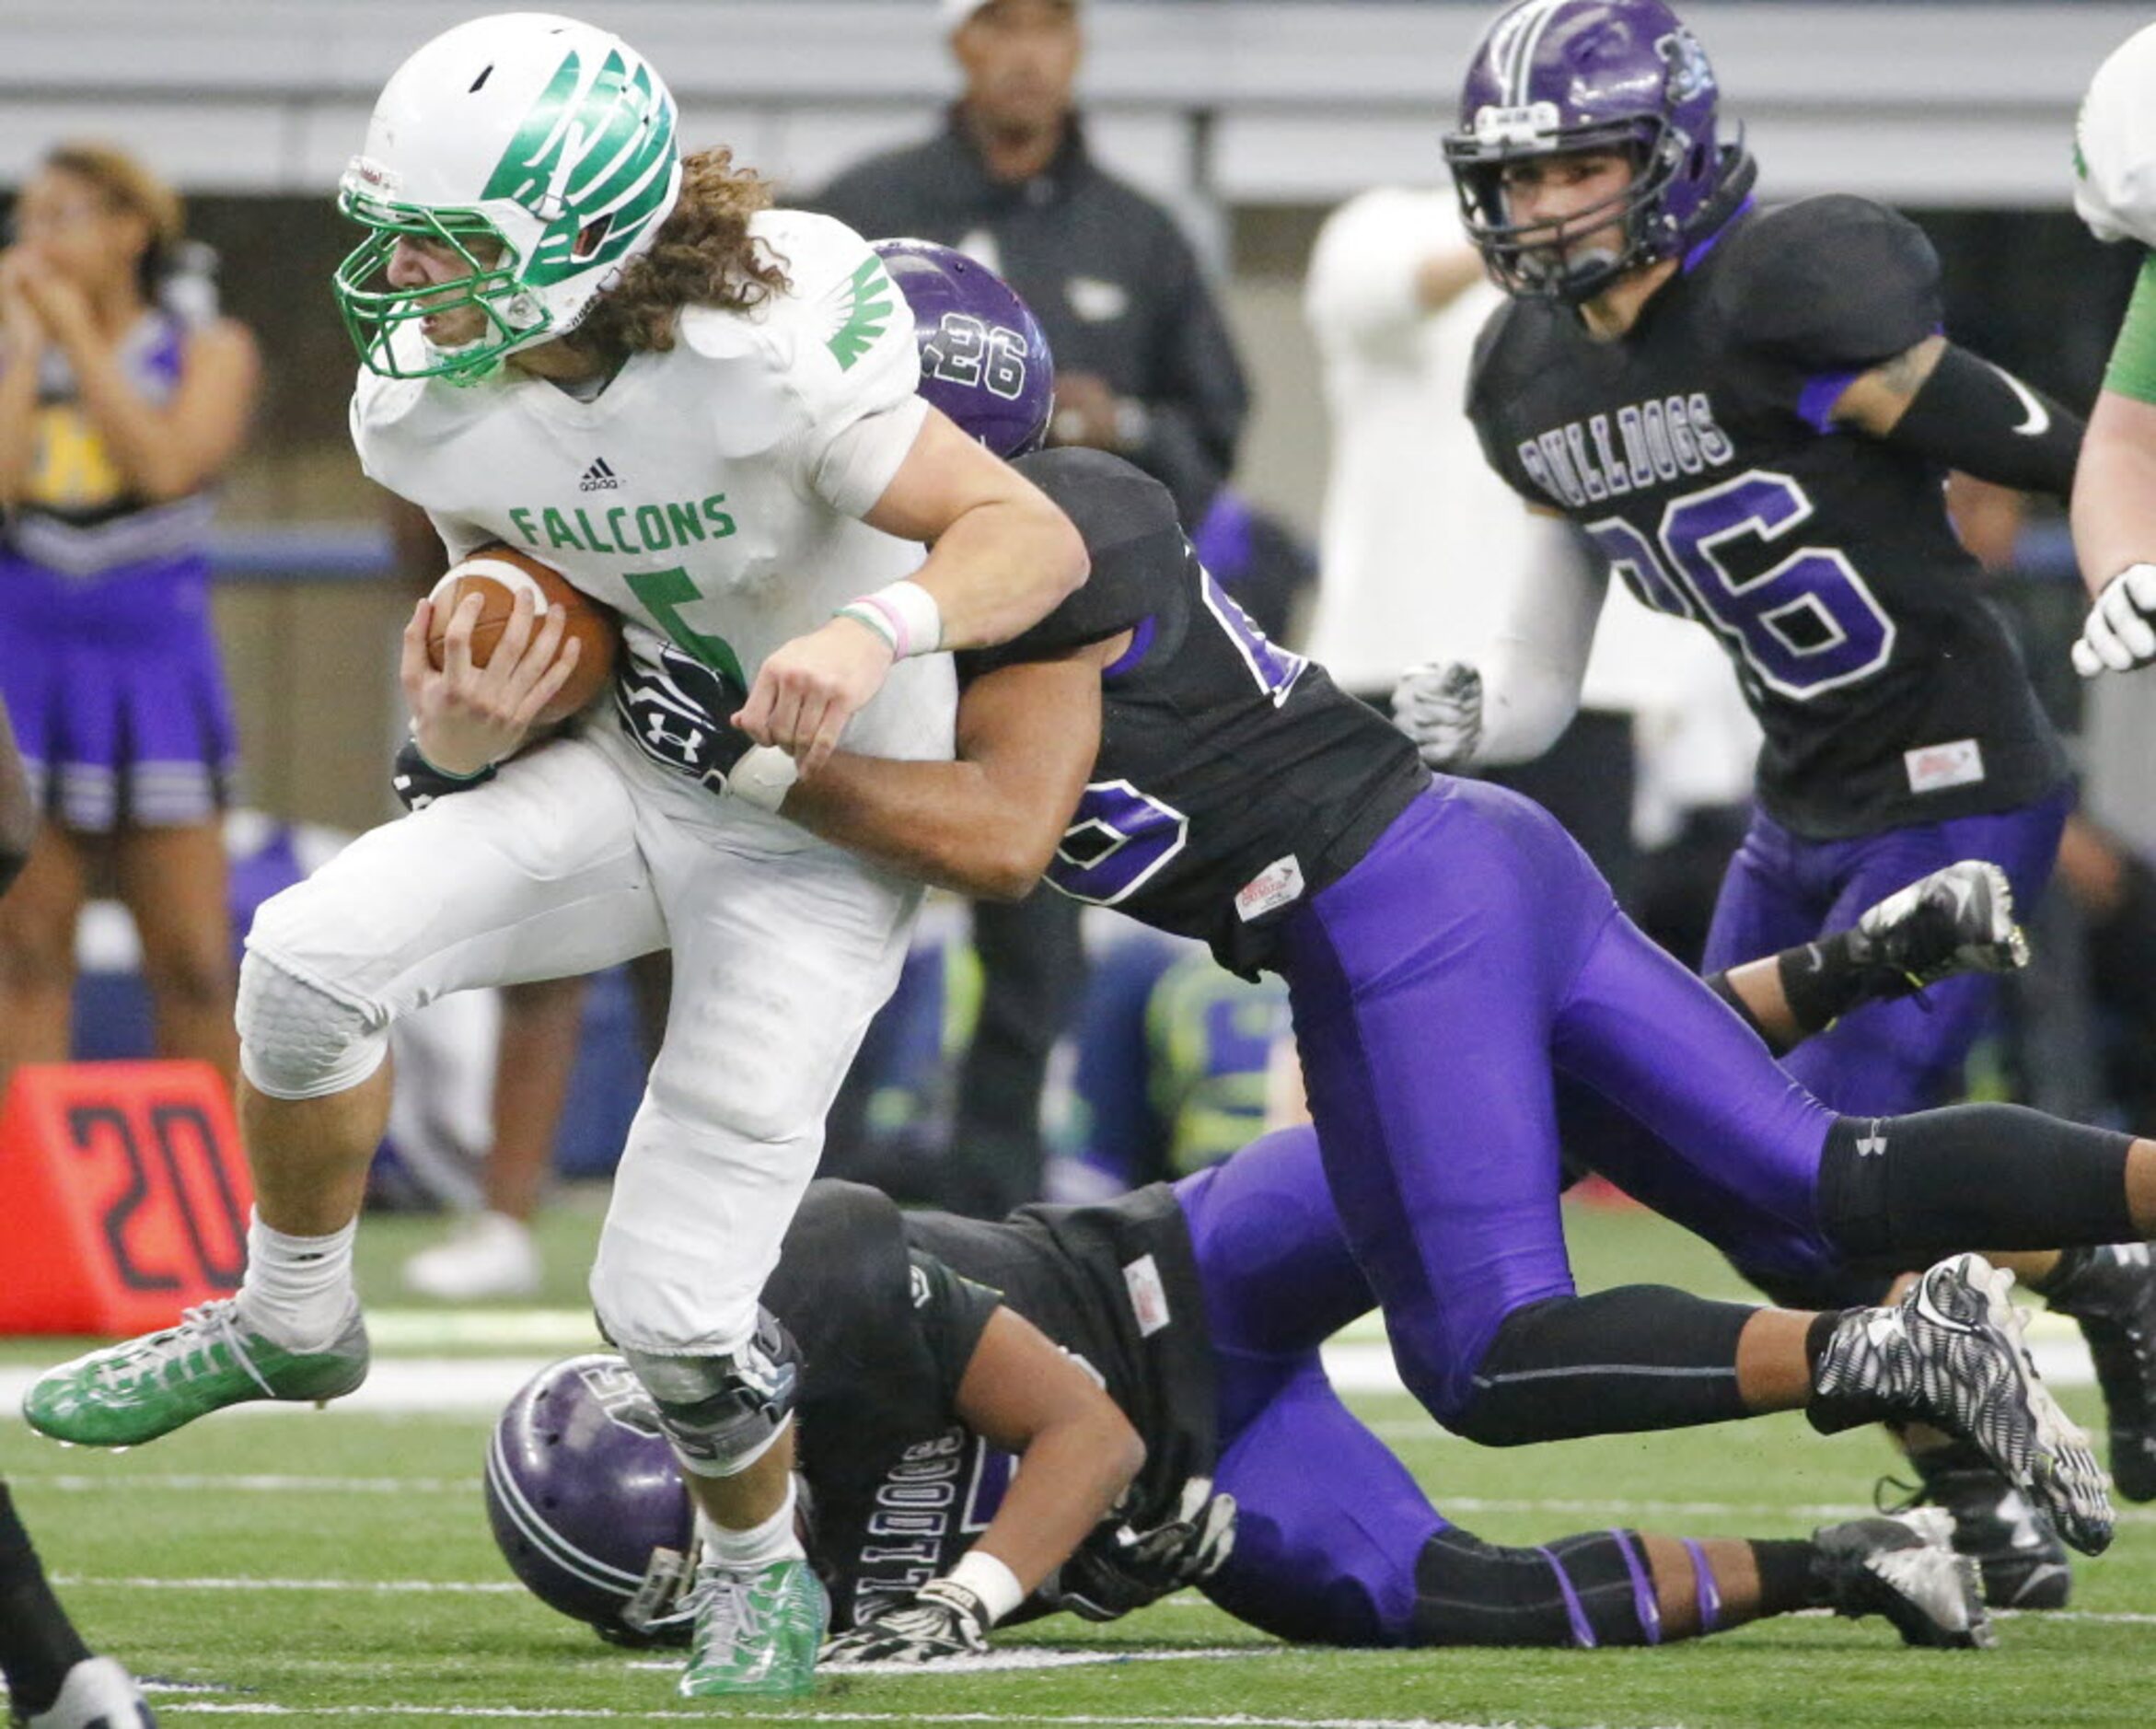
(711, 494)
(2115, 145)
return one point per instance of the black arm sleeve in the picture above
(1973, 416)
(1127, 522)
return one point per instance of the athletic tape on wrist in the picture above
(904, 614)
(763, 777)
(995, 1584)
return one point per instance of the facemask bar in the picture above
(373, 316)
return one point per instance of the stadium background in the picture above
(1251, 118)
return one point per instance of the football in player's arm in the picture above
(2115, 492)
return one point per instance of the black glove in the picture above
(417, 782)
(1118, 1569)
(675, 707)
(943, 1620)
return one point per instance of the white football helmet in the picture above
(540, 150)
(2115, 145)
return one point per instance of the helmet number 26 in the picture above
(969, 350)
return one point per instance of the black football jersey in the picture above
(1234, 779)
(888, 1309)
(1698, 454)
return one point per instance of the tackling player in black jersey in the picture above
(1450, 954)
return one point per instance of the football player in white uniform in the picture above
(2114, 487)
(703, 413)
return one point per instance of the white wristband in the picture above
(904, 614)
(763, 777)
(995, 1584)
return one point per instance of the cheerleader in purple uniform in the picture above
(118, 413)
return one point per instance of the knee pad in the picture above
(298, 1041)
(723, 1411)
(1584, 1591)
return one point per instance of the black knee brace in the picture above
(721, 1412)
(1971, 1176)
(1585, 1591)
(1642, 1356)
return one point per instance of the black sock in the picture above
(1823, 980)
(1786, 1583)
(37, 1642)
(1816, 1336)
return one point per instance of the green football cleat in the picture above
(144, 1387)
(756, 1632)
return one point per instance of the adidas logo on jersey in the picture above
(599, 478)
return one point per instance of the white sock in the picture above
(760, 1546)
(298, 1290)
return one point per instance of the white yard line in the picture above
(459, 1386)
(1085, 1720)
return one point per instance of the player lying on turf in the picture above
(1153, 1364)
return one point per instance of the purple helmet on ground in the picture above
(1553, 76)
(984, 360)
(588, 1502)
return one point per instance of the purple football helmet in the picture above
(984, 360)
(588, 1502)
(1552, 77)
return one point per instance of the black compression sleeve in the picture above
(1971, 415)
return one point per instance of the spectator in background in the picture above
(121, 400)
(1144, 367)
(1423, 545)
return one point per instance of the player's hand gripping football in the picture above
(2120, 632)
(1121, 1569)
(464, 717)
(1439, 705)
(943, 1620)
(809, 688)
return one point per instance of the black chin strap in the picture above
(1740, 174)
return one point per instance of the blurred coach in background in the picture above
(1144, 367)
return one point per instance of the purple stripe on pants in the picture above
(1434, 989)
(1885, 1058)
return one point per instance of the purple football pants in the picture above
(1437, 989)
(1326, 1555)
(1885, 1058)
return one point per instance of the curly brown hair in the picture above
(704, 255)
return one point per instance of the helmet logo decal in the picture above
(598, 144)
(1689, 74)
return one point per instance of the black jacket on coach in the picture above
(1108, 273)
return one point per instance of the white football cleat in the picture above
(490, 1254)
